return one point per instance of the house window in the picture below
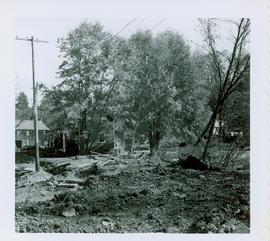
(101, 138)
(18, 143)
(18, 133)
(27, 133)
(27, 142)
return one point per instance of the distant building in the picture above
(25, 134)
(229, 135)
(218, 127)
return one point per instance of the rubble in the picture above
(132, 196)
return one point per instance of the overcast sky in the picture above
(50, 29)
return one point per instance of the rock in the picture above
(233, 228)
(211, 227)
(105, 223)
(69, 212)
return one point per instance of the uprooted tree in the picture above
(228, 70)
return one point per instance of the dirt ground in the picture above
(138, 195)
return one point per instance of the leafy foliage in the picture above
(23, 111)
(149, 86)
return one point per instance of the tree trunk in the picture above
(210, 127)
(82, 136)
(132, 149)
(154, 135)
(64, 141)
(94, 133)
(154, 139)
(209, 137)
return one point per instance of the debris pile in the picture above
(129, 195)
(26, 176)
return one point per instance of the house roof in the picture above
(29, 125)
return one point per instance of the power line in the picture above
(158, 23)
(142, 20)
(125, 26)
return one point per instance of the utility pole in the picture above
(35, 89)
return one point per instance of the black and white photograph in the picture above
(141, 130)
(134, 124)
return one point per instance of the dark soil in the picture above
(149, 198)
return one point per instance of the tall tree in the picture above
(89, 78)
(159, 76)
(22, 101)
(23, 111)
(228, 69)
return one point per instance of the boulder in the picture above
(69, 212)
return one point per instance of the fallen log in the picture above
(80, 166)
(19, 173)
(106, 156)
(59, 163)
(64, 164)
(109, 159)
(67, 185)
(58, 169)
(75, 181)
(104, 163)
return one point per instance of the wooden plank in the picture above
(84, 165)
(67, 185)
(66, 163)
(58, 167)
(73, 180)
(104, 163)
